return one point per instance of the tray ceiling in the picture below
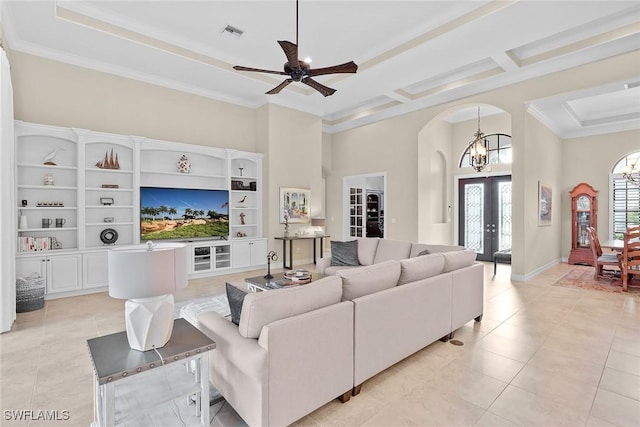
(411, 54)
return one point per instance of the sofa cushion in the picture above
(455, 260)
(392, 249)
(357, 282)
(367, 247)
(262, 308)
(235, 296)
(421, 267)
(417, 248)
(333, 270)
(344, 253)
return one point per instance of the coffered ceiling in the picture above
(411, 54)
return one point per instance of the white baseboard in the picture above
(531, 275)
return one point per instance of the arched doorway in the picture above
(441, 148)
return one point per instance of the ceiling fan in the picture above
(300, 71)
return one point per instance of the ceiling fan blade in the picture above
(324, 90)
(291, 51)
(347, 67)
(278, 88)
(259, 70)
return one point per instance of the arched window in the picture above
(498, 150)
(624, 198)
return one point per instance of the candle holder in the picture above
(271, 256)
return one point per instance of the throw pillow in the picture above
(236, 298)
(425, 252)
(344, 253)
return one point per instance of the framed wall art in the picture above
(545, 193)
(294, 204)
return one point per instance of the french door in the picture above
(485, 215)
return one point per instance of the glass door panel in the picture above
(485, 215)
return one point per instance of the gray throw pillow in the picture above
(236, 298)
(344, 253)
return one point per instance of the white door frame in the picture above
(345, 199)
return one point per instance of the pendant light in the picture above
(478, 149)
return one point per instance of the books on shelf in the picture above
(33, 244)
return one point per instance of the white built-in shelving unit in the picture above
(78, 264)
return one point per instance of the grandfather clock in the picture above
(584, 209)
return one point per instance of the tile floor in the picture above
(543, 355)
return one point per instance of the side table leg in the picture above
(204, 388)
(198, 375)
(109, 404)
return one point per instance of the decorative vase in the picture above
(184, 165)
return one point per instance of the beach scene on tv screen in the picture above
(178, 213)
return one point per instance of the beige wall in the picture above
(294, 160)
(392, 146)
(591, 160)
(53, 93)
(541, 243)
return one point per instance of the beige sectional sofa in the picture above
(296, 349)
(291, 353)
(416, 300)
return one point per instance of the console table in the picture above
(114, 361)
(291, 239)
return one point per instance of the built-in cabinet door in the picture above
(259, 252)
(201, 259)
(241, 254)
(95, 271)
(63, 273)
(249, 253)
(27, 266)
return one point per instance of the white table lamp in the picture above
(147, 276)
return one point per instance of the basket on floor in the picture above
(29, 293)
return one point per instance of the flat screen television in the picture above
(183, 213)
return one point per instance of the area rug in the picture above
(191, 309)
(581, 277)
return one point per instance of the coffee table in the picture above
(259, 283)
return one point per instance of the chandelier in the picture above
(478, 149)
(632, 172)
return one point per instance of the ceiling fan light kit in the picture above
(301, 71)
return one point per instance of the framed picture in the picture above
(545, 193)
(294, 203)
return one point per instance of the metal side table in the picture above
(115, 363)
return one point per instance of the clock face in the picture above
(583, 203)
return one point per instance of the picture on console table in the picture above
(295, 203)
(183, 213)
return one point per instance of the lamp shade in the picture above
(137, 272)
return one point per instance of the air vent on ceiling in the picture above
(233, 30)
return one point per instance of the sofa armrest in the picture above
(322, 264)
(238, 368)
(467, 295)
(246, 353)
(310, 361)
